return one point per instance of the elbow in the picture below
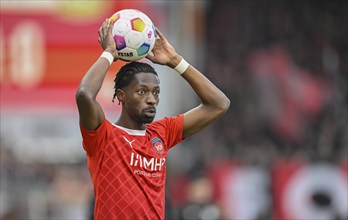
(219, 107)
(227, 103)
(82, 95)
(224, 105)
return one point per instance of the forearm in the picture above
(93, 80)
(208, 93)
(213, 105)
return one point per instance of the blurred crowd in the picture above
(37, 190)
(284, 67)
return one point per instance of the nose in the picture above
(151, 99)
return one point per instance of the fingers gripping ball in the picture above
(134, 34)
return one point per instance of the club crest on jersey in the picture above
(158, 145)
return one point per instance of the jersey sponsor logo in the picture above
(149, 164)
(147, 174)
(158, 145)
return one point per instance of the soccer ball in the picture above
(134, 34)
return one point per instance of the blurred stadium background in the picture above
(280, 152)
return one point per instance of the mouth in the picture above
(150, 112)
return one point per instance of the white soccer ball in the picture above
(134, 34)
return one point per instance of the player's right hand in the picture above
(105, 39)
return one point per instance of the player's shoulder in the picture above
(159, 122)
(108, 123)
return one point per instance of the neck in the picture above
(127, 122)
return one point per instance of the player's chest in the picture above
(139, 153)
(144, 145)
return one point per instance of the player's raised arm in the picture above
(214, 102)
(91, 114)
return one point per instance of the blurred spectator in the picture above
(199, 203)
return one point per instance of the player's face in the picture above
(142, 97)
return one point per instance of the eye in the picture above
(156, 93)
(141, 92)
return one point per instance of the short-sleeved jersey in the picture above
(128, 167)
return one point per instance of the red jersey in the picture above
(128, 167)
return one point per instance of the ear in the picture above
(120, 95)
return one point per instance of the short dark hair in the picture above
(127, 72)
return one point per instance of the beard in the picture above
(143, 118)
(148, 115)
(147, 119)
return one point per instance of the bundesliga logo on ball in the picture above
(134, 34)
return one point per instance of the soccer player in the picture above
(127, 159)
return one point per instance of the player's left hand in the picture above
(163, 52)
